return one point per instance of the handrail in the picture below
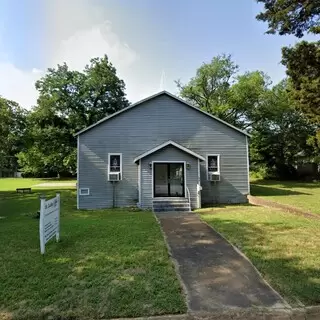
(189, 200)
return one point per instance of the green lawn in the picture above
(302, 195)
(10, 184)
(285, 248)
(109, 263)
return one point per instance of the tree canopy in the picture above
(291, 16)
(82, 98)
(280, 132)
(303, 69)
(12, 132)
(68, 101)
(302, 60)
(208, 89)
(280, 139)
(218, 89)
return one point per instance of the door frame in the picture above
(185, 177)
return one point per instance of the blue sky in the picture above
(143, 38)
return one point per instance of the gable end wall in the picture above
(146, 126)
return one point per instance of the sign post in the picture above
(49, 225)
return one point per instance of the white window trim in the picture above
(115, 154)
(84, 194)
(207, 162)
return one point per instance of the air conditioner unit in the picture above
(214, 176)
(114, 176)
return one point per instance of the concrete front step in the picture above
(167, 203)
(171, 209)
(173, 200)
(170, 204)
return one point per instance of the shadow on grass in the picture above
(290, 276)
(287, 184)
(225, 205)
(259, 190)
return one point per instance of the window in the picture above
(213, 163)
(115, 163)
(84, 191)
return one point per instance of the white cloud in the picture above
(36, 71)
(18, 85)
(78, 49)
(80, 30)
(76, 31)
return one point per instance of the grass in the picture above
(284, 248)
(10, 184)
(109, 263)
(303, 195)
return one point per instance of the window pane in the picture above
(114, 163)
(213, 164)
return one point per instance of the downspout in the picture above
(113, 194)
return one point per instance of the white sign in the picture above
(49, 220)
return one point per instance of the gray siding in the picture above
(147, 126)
(168, 154)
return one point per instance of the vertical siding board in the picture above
(147, 126)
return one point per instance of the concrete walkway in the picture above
(215, 275)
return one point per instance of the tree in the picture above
(82, 97)
(247, 100)
(69, 101)
(303, 60)
(281, 136)
(303, 69)
(208, 89)
(218, 90)
(280, 131)
(12, 132)
(291, 16)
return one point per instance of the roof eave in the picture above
(163, 145)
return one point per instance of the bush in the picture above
(259, 173)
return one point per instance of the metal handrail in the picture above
(189, 200)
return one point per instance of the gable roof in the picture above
(157, 95)
(168, 143)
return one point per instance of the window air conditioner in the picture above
(214, 176)
(114, 176)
